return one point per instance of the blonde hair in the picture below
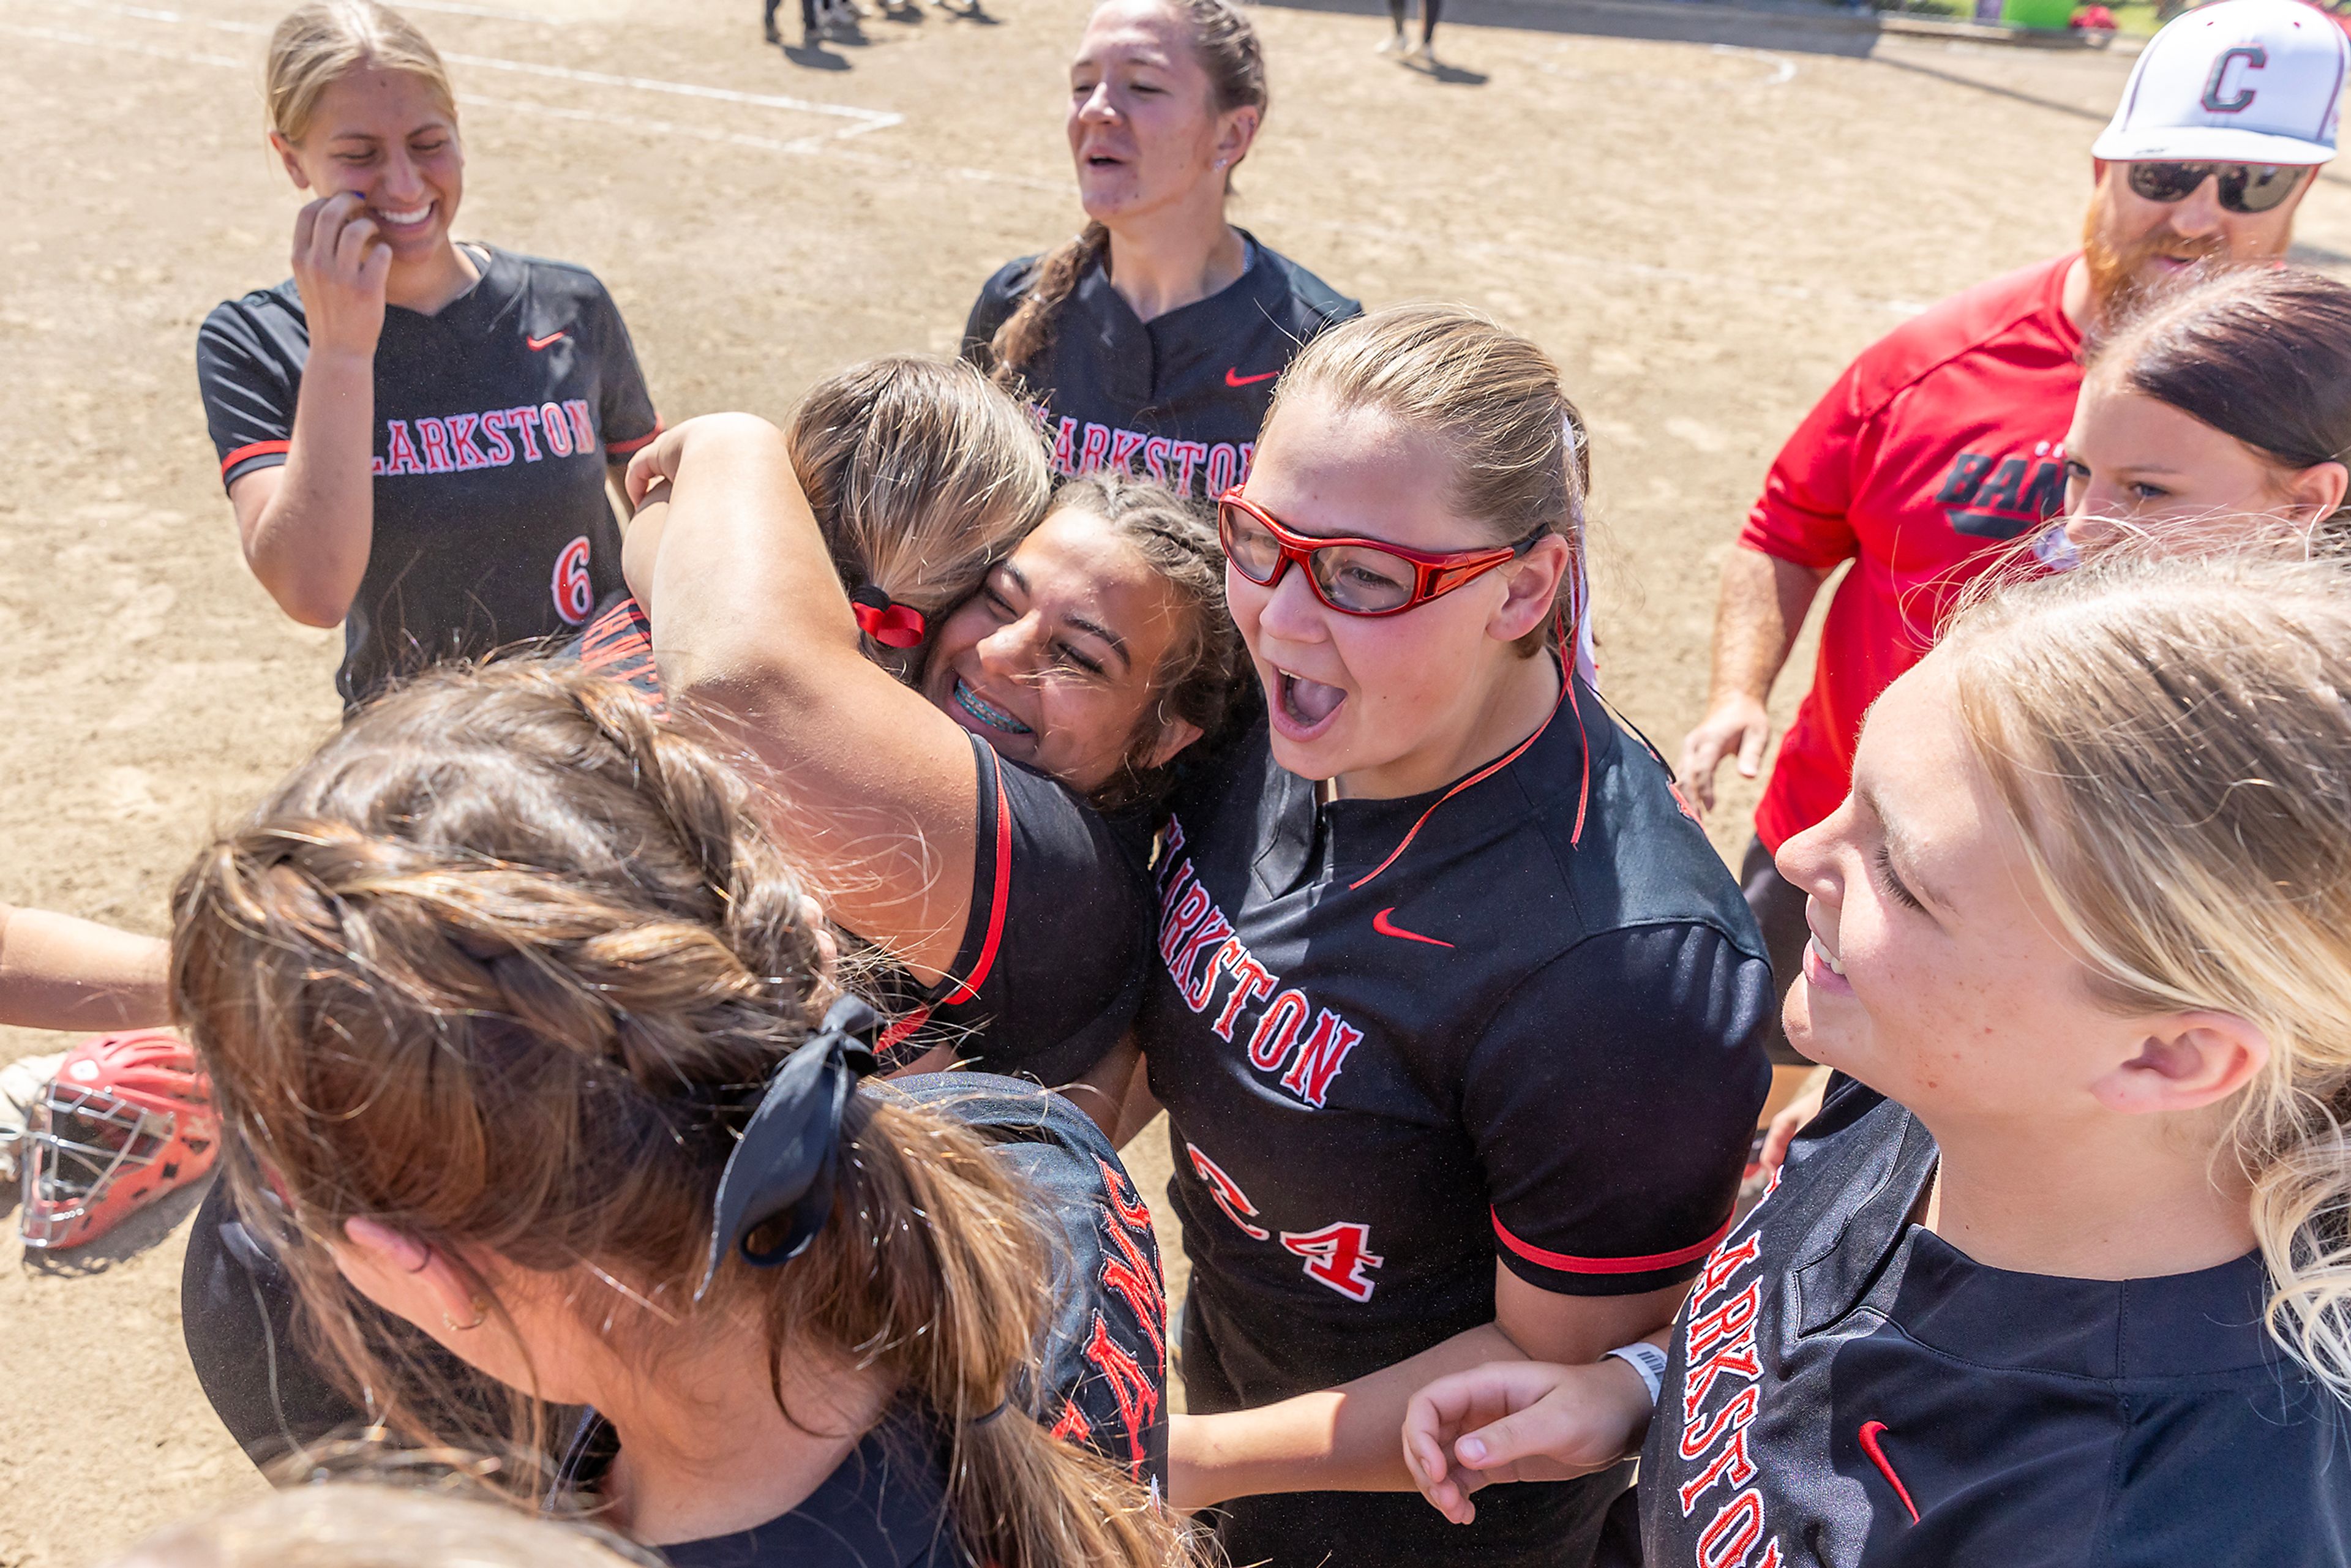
(504, 965)
(2172, 740)
(354, 1524)
(314, 46)
(921, 475)
(1521, 461)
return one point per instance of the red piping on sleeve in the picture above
(258, 449)
(1568, 1263)
(622, 448)
(970, 987)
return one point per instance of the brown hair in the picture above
(2262, 354)
(2172, 742)
(1204, 679)
(1225, 43)
(1521, 461)
(921, 475)
(504, 965)
(314, 46)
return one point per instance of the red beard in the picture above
(2117, 281)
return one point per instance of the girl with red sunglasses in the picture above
(1454, 1013)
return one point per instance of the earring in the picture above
(481, 1316)
(1221, 162)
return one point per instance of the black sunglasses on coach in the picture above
(2244, 187)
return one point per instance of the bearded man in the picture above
(1946, 438)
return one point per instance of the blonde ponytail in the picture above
(314, 46)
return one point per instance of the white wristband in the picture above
(1645, 1359)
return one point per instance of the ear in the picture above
(405, 1277)
(2316, 491)
(292, 160)
(1236, 134)
(2186, 1062)
(1174, 736)
(1531, 585)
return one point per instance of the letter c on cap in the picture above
(2255, 57)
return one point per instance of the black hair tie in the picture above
(887, 621)
(782, 1172)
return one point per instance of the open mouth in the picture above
(1308, 705)
(987, 712)
(1828, 963)
(402, 220)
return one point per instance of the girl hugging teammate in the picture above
(416, 434)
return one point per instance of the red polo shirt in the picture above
(1942, 442)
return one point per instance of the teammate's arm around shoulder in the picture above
(306, 527)
(876, 791)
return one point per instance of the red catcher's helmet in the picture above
(128, 1118)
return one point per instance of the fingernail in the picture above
(1472, 1450)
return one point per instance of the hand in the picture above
(1792, 1119)
(1519, 1421)
(661, 458)
(340, 267)
(1736, 722)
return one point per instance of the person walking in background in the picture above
(1945, 439)
(1395, 44)
(1151, 342)
(415, 434)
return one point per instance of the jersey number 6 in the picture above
(575, 591)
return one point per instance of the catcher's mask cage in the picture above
(93, 1151)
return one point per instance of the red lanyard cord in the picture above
(1583, 793)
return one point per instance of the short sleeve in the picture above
(250, 386)
(998, 298)
(1050, 974)
(1802, 516)
(626, 413)
(1612, 1104)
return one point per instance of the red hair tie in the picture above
(887, 621)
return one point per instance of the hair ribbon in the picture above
(887, 621)
(781, 1172)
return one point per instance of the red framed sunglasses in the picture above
(1352, 576)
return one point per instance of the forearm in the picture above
(1338, 1439)
(308, 545)
(749, 615)
(1762, 608)
(58, 972)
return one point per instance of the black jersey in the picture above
(1050, 967)
(1103, 1357)
(1532, 1037)
(1178, 399)
(1845, 1387)
(494, 419)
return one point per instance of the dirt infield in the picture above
(1701, 213)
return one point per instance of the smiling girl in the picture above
(415, 434)
(2058, 1274)
(1150, 343)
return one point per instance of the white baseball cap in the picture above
(2236, 81)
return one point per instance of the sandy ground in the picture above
(1701, 214)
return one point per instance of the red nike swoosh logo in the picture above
(1233, 378)
(1386, 928)
(538, 344)
(1869, 1445)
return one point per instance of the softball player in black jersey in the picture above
(2056, 1275)
(591, 1122)
(1454, 1012)
(985, 827)
(1150, 343)
(415, 433)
